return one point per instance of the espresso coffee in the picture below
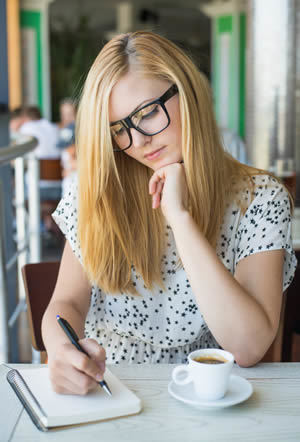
(208, 369)
(210, 360)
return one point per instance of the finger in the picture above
(157, 195)
(155, 201)
(156, 177)
(74, 383)
(152, 186)
(160, 185)
(86, 365)
(95, 351)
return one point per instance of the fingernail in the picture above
(99, 377)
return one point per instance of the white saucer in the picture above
(239, 390)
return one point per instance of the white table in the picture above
(272, 413)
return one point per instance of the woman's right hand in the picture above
(73, 372)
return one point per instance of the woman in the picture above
(67, 111)
(163, 256)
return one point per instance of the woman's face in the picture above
(67, 113)
(134, 91)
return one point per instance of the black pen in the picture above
(70, 332)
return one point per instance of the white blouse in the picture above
(165, 326)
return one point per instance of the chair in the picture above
(39, 281)
(292, 316)
(50, 169)
(281, 349)
(50, 191)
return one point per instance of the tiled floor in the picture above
(51, 251)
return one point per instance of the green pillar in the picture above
(228, 62)
(35, 54)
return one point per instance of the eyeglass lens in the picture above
(150, 119)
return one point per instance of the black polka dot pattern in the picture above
(266, 225)
(165, 326)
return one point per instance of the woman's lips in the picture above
(155, 154)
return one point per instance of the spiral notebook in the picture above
(49, 410)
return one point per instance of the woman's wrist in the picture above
(178, 218)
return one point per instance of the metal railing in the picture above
(28, 241)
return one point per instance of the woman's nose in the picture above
(139, 139)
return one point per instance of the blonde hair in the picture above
(117, 227)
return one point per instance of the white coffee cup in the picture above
(210, 379)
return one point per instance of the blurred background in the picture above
(248, 49)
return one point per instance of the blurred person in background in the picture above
(67, 112)
(66, 141)
(46, 132)
(15, 122)
(47, 135)
(66, 125)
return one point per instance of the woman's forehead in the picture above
(132, 91)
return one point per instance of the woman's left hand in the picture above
(169, 190)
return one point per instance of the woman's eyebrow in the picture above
(136, 108)
(142, 103)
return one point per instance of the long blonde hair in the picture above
(117, 227)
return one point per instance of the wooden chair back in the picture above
(292, 316)
(51, 177)
(281, 349)
(39, 281)
(50, 169)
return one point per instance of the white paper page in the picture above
(68, 409)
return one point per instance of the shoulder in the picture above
(66, 216)
(267, 188)
(67, 209)
(257, 199)
(28, 127)
(260, 189)
(266, 202)
(66, 136)
(69, 201)
(46, 124)
(72, 189)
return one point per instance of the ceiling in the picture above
(179, 20)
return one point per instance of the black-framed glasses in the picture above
(149, 120)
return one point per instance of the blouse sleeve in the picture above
(66, 216)
(266, 225)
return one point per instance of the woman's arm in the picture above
(71, 371)
(243, 311)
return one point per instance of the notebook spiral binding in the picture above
(30, 403)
